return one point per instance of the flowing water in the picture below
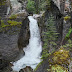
(33, 50)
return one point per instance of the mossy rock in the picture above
(61, 56)
(14, 23)
(57, 68)
(5, 27)
(10, 23)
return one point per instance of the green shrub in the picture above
(13, 16)
(30, 6)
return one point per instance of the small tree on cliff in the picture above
(50, 37)
(30, 6)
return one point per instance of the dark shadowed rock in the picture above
(43, 67)
(27, 69)
(24, 34)
(3, 62)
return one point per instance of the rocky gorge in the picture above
(15, 34)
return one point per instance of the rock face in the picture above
(58, 18)
(3, 63)
(9, 46)
(61, 27)
(60, 4)
(13, 40)
(3, 10)
(24, 34)
(43, 67)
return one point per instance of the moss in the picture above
(13, 16)
(14, 23)
(67, 18)
(61, 56)
(10, 23)
(57, 68)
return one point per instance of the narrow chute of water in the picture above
(33, 50)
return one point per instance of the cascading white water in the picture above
(33, 50)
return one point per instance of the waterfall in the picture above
(33, 50)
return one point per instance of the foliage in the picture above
(57, 68)
(50, 37)
(42, 5)
(67, 18)
(68, 34)
(2, 2)
(13, 23)
(61, 56)
(35, 6)
(30, 6)
(13, 16)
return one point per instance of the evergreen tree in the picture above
(50, 37)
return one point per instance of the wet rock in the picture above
(27, 69)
